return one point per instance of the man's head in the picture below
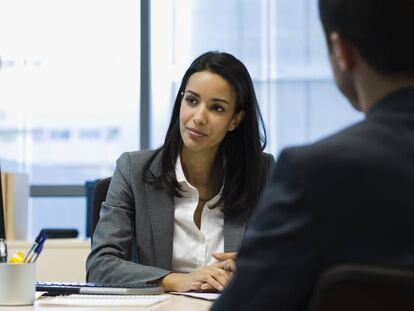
(380, 32)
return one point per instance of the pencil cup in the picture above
(17, 284)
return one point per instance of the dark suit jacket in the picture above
(137, 217)
(348, 198)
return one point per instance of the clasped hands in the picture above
(213, 277)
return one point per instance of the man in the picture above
(348, 198)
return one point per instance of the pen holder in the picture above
(17, 284)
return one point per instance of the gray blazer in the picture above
(138, 218)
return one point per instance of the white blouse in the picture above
(192, 247)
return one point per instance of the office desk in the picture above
(174, 303)
(64, 260)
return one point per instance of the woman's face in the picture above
(207, 112)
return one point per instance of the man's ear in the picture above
(237, 118)
(342, 51)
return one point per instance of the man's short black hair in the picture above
(381, 30)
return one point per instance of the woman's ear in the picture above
(237, 118)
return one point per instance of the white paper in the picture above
(103, 300)
(206, 296)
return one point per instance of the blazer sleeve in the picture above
(276, 264)
(110, 257)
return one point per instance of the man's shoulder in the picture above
(348, 144)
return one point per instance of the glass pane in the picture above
(58, 213)
(69, 94)
(69, 86)
(281, 43)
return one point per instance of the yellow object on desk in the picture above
(17, 258)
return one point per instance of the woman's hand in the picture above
(226, 261)
(212, 277)
(225, 256)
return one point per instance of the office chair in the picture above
(364, 288)
(99, 196)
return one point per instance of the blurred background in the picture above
(82, 81)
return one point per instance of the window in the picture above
(69, 99)
(281, 43)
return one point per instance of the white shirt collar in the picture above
(181, 179)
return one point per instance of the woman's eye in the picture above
(217, 108)
(191, 100)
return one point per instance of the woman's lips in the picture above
(195, 134)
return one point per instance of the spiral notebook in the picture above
(103, 300)
(66, 288)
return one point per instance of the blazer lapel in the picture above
(161, 214)
(234, 228)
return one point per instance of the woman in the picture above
(176, 216)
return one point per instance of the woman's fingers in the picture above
(222, 276)
(206, 286)
(225, 256)
(216, 277)
(227, 265)
(197, 286)
(213, 282)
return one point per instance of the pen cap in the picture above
(17, 284)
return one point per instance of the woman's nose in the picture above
(199, 117)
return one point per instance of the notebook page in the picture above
(206, 296)
(103, 300)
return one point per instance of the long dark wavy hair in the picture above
(241, 148)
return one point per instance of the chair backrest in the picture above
(359, 287)
(99, 196)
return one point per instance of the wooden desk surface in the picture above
(174, 303)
